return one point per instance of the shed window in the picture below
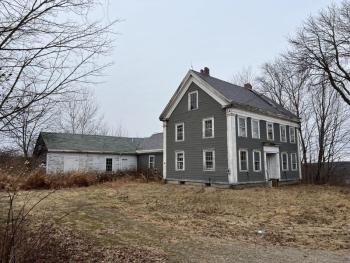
(208, 128)
(255, 129)
(243, 160)
(151, 161)
(269, 131)
(242, 124)
(109, 165)
(283, 133)
(180, 161)
(292, 134)
(209, 160)
(284, 161)
(180, 132)
(294, 162)
(193, 100)
(257, 161)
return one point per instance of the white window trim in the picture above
(251, 124)
(203, 128)
(256, 151)
(239, 153)
(246, 126)
(267, 131)
(149, 161)
(291, 162)
(204, 161)
(189, 100)
(183, 154)
(285, 127)
(287, 169)
(183, 132)
(290, 136)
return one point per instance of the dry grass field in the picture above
(182, 222)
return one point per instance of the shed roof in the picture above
(155, 142)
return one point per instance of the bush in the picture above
(81, 179)
(36, 180)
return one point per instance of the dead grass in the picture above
(155, 215)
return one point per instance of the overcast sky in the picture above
(160, 40)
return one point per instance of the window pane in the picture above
(283, 133)
(270, 131)
(255, 128)
(108, 164)
(193, 101)
(209, 160)
(180, 132)
(292, 134)
(243, 156)
(208, 128)
(257, 161)
(242, 127)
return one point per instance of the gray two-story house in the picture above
(215, 132)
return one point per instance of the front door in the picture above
(272, 168)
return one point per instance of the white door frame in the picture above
(276, 150)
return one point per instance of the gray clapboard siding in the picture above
(142, 162)
(257, 144)
(194, 144)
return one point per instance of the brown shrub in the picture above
(81, 179)
(36, 180)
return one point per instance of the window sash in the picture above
(269, 131)
(209, 160)
(255, 129)
(243, 162)
(180, 161)
(208, 128)
(257, 161)
(180, 132)
(193, 100)
(292, 134)
(284, 161)
(283, 133)
(294, 162)
(242, 127)
(151, 161)
(109, 164)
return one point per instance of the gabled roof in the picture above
(65, 142)
(230, 95)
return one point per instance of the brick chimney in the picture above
(206, 71)
(248, 86)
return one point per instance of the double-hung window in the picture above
(180, 161)
(269, 131)
(243, 160)
(284, 157)
(151, 161)
(208, 128)
(242, 126)
(294, 162)
(283, 133)
(109, 165)
(208, 160)
(292, 134)
(193, 100)
(256, 161)
(179, 132)
(255, 129)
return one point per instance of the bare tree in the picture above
(81, 115)
(331, 134)
(46, 48)
(246, 75)
(281, 82)
(25, 128)
(322, 46)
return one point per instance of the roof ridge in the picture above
(96, 135)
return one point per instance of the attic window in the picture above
(193, 100)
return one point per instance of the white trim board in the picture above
(149, 151)
(263, 117)
(181, 91)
